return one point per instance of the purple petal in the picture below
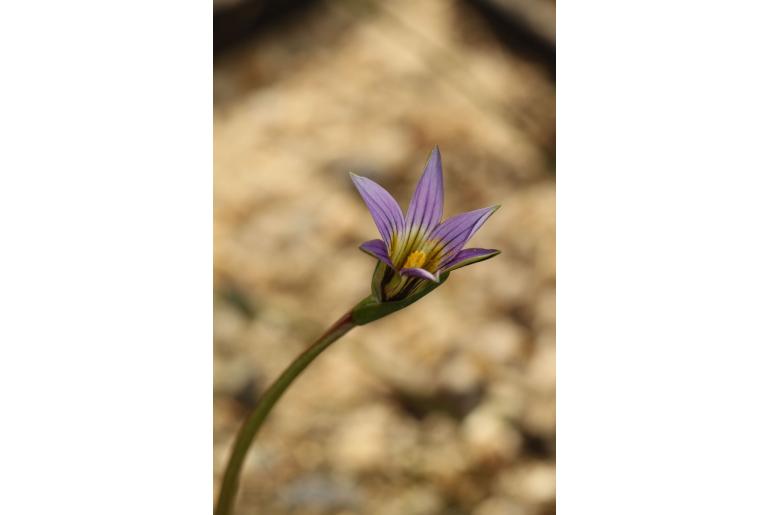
(427, 204)
(467, 257)
(378, 249)
(420, 273)
(384, 209)
(454, 233)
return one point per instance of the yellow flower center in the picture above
(415, 260)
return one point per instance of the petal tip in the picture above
(468, 257)
(435, 156)
(377, 249)
(419, 273)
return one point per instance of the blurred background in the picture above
(447, 407)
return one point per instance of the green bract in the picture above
(373, 307)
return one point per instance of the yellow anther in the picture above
(415, 260)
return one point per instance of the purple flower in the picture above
(419, 247)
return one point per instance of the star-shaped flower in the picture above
(420, 247)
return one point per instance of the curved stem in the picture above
(252, 424)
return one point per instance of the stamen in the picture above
(415, 260)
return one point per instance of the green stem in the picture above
(252, 424)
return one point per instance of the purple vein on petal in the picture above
(378, 249)
(427, 204)
(383, 207)
(454, 233)
(467, 257)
